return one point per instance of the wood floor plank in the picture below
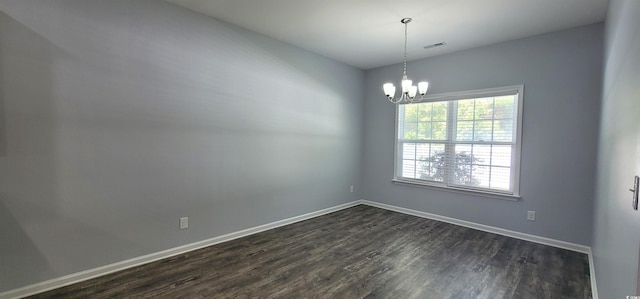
(360, 252)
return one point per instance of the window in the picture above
(465, 140)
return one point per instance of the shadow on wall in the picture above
(21, 257)
(27, 166)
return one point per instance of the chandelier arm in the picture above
(395, 101)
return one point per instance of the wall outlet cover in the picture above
(531, 215)
(184, 222)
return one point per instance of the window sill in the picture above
(457, 190)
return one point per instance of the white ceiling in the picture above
(368, 33)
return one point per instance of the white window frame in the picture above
(517, 90)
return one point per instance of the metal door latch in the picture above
(635, 190)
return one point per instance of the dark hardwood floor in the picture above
(354, 253)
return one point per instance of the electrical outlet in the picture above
(531, 215)
(184, 222)
(351, 189)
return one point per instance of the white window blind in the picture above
(464, 140)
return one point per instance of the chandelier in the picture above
(409, 91)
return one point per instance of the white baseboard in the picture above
(500, 231)
(592, 270)
(104, 270)
(482, 227)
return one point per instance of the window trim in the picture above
(516, 158)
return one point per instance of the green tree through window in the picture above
(465, 164)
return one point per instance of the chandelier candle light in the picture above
(409, 90)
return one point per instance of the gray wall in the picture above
(119, 117)
(616, 225)
(561, 72)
